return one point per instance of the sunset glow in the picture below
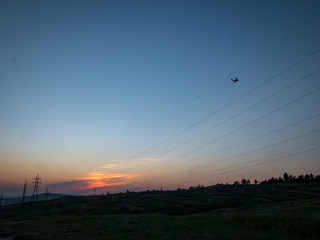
(94, 181)
(107, 96)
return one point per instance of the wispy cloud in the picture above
(109, 166)
(141, 162)
(101, 181)
(110, 177)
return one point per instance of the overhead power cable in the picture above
(246, 141)
(243, 154)
(250, 164)
(227, 120)
(226, 106)
(296, 29)
(252, 151)
(243, 126)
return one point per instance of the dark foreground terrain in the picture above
(280, 211)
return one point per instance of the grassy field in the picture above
(281, 211)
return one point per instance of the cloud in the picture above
(110, 177)
(141, 162)
(100, 181)
(109, 166)
(72, 184)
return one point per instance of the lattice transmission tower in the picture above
(23, 199)
(36, 182)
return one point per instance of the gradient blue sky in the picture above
(124, 94)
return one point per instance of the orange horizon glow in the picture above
(101, 180)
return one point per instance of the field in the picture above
(279, 211)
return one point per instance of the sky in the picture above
(136, 95)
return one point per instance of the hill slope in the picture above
(281, 211)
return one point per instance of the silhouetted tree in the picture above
(280, 180)
(286, 177)
(243, 181)
(311, 177)
(300, 178)
(272, 180)
(291, 178)
(307, 177)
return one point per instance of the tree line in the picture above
(286, 178)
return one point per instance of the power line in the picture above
(257, 162)
(243, 126)
(265, 115)
(225, 106)
(296, 29)
(259, 149)
(253, 163)
(230, 118)
(246, 141)
(245, 153)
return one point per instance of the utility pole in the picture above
(36, 186)
(23, 199)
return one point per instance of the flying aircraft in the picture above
(235, 80)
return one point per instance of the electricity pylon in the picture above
(23, 199)
(36, 186)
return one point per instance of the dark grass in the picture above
(288, 211)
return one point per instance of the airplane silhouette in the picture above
(235, 80)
